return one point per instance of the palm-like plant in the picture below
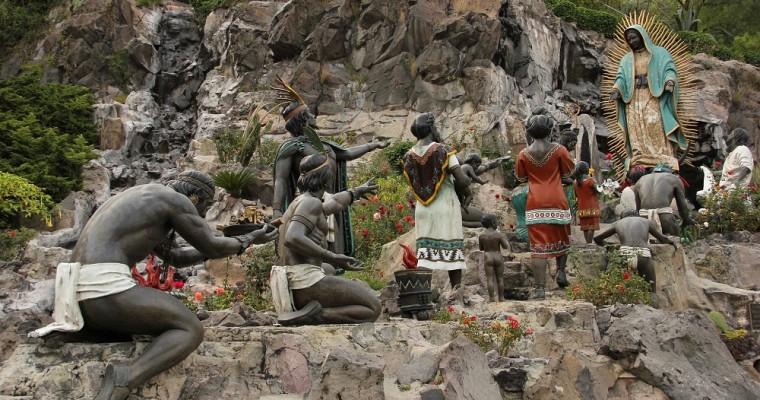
(234, 182)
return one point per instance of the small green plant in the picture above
(234, 182)
(587, 19)
(395, 152)
(729, 211)
(254, 130)
(267, 152)
(495, 335)
(118, 67)
(253, 292)
(719, 320)
(13, 241)
(227, 144)
(613, 285)
(405, 388)
(19, 197)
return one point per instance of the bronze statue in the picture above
(544, 165)
(633, 232)
(317, 298)
(654, 193)
(437, 181)
(472, 167)
(298, 119)
(96, 295)
(491, 241)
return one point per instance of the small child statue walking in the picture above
(589, 212)
(491, 242)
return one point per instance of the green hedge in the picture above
(46, 132)
(587, 19)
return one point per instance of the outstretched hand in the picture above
(346, 262)
(369, 187)
(669, 86)
(614, 94)
(380, 144)
(264, 235)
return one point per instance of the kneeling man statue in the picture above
(302, 293)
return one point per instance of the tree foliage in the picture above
(19, 197)
(46, 132)
(21, 20)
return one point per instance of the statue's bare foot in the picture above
(115, 383)
(310, 314)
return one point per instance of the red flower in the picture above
(515, 324)
(411, 201)
(608, 156)
(365, 232)
(12, 233)
(198, 296)
(529, 331)
(507, 198)
(382, 210)
(412, 223)
(622, 288)
(576, 288)
(744, 195)
(364, 217)
(408, 218)
(220, 291)
(179, 285)
(511, 226)
(385, 168)
(730, 172)
(400, 206)
(498, 196)
(472, 318)
(450, 308)
(718, 164)
(626, 275)
(752, 188)
(502, 225)
(510, 318)
(364, 203)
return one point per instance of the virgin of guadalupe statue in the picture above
(651, 93)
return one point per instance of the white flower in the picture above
(376, 216)
(704, 211)
(706, 224)
(609, 186)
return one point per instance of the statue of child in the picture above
(491, 241)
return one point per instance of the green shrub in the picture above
(587, 19)
(204, 7)
(149, 3)
(395, 152)
(728, 211)
(227, 144)
(698, 42)
(46, 132)
(22, 21)
(234, 182)
(493, 335)
(20, 197)
(13, 241)
(613, 285)
(719, 320)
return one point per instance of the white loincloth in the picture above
(654, 215)
(75, 282)
(285, 278)
(633, 254)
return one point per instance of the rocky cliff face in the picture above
(166, 83)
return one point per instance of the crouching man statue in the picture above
(302, 293)
(96, 298)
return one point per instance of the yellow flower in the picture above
(591, 171)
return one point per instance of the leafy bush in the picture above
(698, 42)
(587, 19)
(613, 285)
(729, 211)
(488, 336)
(240, 146)
(19, 197)
(253, 292)
(46, 132)
(22, 20)
(234, 182)
(395, 152)
(204, 7)
(149, 3)
(12, 242)
(383, 218)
